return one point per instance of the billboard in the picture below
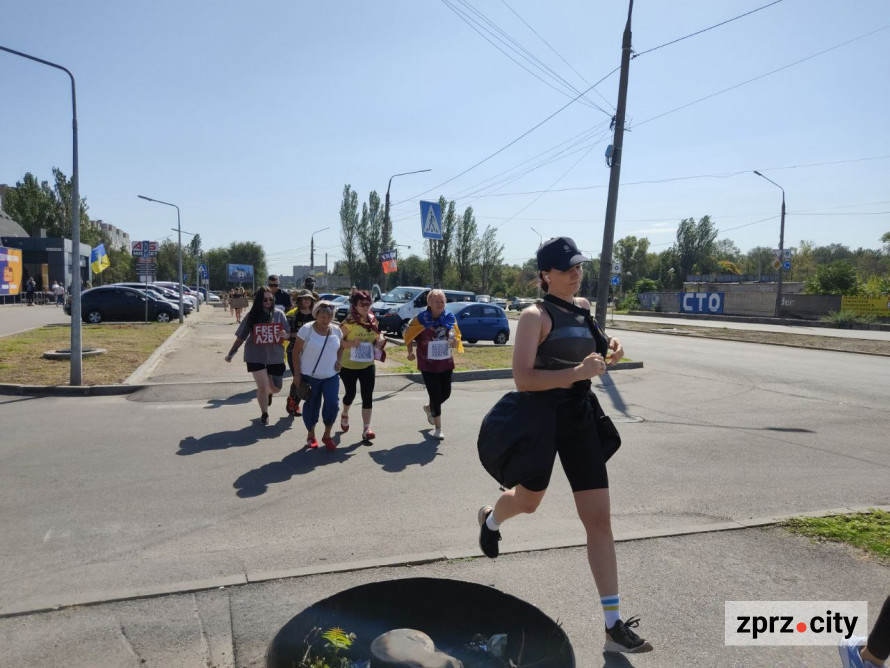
(239, 273)
(10, 271)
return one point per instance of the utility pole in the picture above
(602, 292)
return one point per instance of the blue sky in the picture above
(252, 117)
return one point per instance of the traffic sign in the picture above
(786, 265)
(431, 220)
(776, 264)
(616, 280)
(144, 248)
(616, 266)
(202, 270)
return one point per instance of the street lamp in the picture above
(312, 250)
(387, 225)
(178, 241)
(76, 377)
(781, 259)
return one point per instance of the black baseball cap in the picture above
(559, 253)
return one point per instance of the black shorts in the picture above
(580, 453)
(273, 369)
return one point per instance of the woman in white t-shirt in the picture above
(317, 351)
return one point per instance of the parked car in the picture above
(163, 293)
(397, 307)
(213, 298)
(519, 303)
(483, 299)
(186, 291)
(117, 302)
(481, 322)
(498, 301)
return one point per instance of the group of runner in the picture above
(321, 354)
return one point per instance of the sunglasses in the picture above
(273, 285)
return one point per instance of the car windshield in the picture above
(399, 295)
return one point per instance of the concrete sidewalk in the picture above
(682, 608)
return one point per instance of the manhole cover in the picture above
(454, 614)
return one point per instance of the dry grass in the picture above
(128, 345)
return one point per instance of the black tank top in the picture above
(570, 340)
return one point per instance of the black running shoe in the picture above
(622, 638)
(488, 539)
(264, 418)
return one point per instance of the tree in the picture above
(885, 239)
(441, 248)
(831, 252)
(633, 255)
(804, 263)
(414, 270)
(491, 258)
(725, 249)
(837, 278)
(369, 240)
(466, 248)
(349, 232)
(729, 267)
(759, 260)
(217, 260)
(37, 206)
(695, 246)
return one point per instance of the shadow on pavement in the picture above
(399, 458)
(612, 660)
(234, 400)
(222, 440)
(303, 461)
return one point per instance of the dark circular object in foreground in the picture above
(451, 612)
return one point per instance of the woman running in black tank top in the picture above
(555, 354)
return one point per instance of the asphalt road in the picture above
(179, 483)
(15, 318)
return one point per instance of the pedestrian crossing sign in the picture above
(431, 220)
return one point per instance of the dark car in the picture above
(481, 322)
(116, 302)
(162, 292)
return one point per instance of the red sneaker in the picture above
(311, 442)
(368, 435)
(329, 443)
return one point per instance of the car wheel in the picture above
(94, 317)
(501, 338)
(472, 340)
(163, 316)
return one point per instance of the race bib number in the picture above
(438, 350)
(267, 333)
(363, 353)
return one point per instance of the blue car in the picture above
(481, 322)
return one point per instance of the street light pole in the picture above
(76, 374)
(178, 241)
(541, 243)
(312, 250)
(387, 224)
(781, 259)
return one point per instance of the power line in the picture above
(556, 52)
(761, 76)
(504, 148)
(699, 32)
(515, 46)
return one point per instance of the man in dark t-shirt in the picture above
(282, 299)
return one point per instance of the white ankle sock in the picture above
(491, 524)
(610, 609)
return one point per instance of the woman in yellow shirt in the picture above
(362, 342)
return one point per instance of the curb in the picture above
(447, 554)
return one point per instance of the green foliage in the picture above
(349, 232)
(629, 302)
(645, 285)
(838, 278)
(877, 286)
(695, 246)
(729, 267)
(633, 255)
(491, 259)
(370, 230)
(846, 319)
(327, 654)
(466, 249)
(869, 531)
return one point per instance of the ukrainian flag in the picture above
(99, 261)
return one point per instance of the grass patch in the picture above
(473, 357)
(128, 345)
(868, 531)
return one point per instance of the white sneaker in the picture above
(429, 415)
(439, 434)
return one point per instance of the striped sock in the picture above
(610, 609)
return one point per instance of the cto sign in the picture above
(701, 302)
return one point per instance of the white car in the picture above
(213, 298)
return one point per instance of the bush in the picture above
(846, 319)
(628, 302)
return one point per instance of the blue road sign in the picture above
(202, 269)
(431, 220)
(616, 280)
(786, 265)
